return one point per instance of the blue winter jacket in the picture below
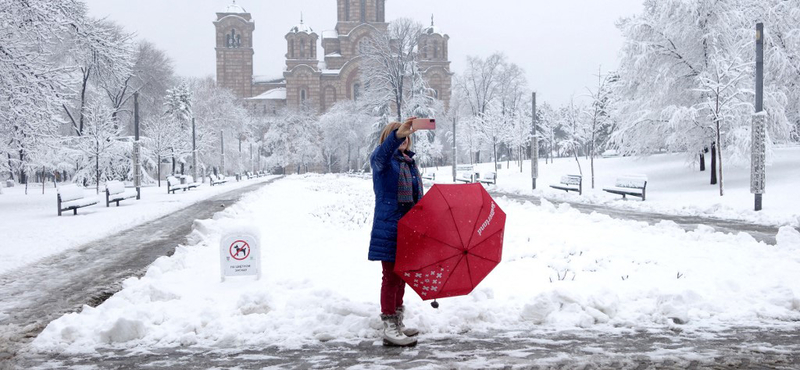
(385, 175)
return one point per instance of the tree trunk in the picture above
(494, 148)
(22, 177)
(719, 153)
(713, 163)
(702, 162)
(43, 180)
(10, 167)
(580, 171)
(97, 170)
(158, 170)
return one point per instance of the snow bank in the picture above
(561, 269)
(32, 230)
(674, 185)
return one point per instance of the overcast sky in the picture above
(560, 44)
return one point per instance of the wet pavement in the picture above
(39, 293)
(33, 305)
(744, 348)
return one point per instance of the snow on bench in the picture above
(488, 178)
(429, 176)
(174, 184)
(570, 183)
(72, 197)
(216, 179)
(633, 185)
(189, 181)
(465, 173)
(116, 192)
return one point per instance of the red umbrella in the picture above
(449, 241)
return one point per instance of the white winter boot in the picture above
(409, 332)
(392, 336)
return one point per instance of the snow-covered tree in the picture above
(389, 66)
(98, 143)
(103, 55)
(574, 127)
(684, 65)
(33, 79)
(160, 136)
(293, 138)
(599, 116)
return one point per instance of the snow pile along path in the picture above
(675, 186)
(561, 269)
(31, 229)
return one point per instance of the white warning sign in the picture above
(240, 255)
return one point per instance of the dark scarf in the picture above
(405, 184)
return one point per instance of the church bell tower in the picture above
(234, 48)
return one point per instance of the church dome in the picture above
(432, 30)
(234, 8)
(301, 28)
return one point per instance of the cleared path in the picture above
(762, 233)
(44, 291)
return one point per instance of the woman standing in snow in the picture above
(397, 185)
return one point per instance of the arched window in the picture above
(302, 49)
(347, 10)
(363, 11)
(361, 47)
(233, 39)
(356, 91)
(435, 50)
(302, 95)
(291, 49)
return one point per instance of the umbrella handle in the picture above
(435, 304)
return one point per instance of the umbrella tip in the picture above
(435, 304)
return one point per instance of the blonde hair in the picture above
(388, 130)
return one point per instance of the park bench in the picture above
(570, 183)
(249, 175)
(465, 173)
(116, 192)
(429, 176)
(72, 197)
(488, 178)
(174, 184)
(216, 179)
(633, 185)
(190, 183)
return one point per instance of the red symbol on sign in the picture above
(240, 250)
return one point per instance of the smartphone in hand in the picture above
(424, 124)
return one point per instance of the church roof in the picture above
(301, 28)
(274, 94)
(330, 34)
(432, 30)
(233, 8)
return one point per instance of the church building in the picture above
(307, 79)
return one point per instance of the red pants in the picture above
(392, 289)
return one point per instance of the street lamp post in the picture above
(137, 169)
(455, 150)
(194, 151)
(534, 144)
(758, 141)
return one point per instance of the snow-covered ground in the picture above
(560, 269)
(673, 187)
(31, 229)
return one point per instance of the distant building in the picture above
(319, 84)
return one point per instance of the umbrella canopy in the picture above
(449, 241)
